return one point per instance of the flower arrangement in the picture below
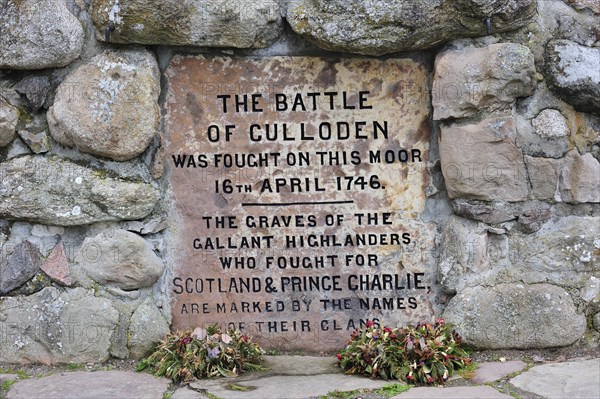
(427, 353)
(185, 355)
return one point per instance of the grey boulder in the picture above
(38, 34)
(121, 259)
(109, 106)
(215, 23)
(573, 72)
(471, 80)
(380, 27)
(147, 326)
(18, 266)
(9, 117)
(58, 192)
(56, 327)
(516, 316)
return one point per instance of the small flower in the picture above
(226, 338)
(186, 340)
(393, 336)
(387, 329)
(244, 338)
(199, 333)
(370, 323)
(214, 352)
(429, 379)
(439, 321)
(339, 356)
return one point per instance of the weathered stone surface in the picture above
(516, 316)
(56, 266)
(35, 284)
(38, 34)
(377, 28)
(143, 227)
(529, 216)
(62, 193)
(593, 5)
(471, 80)
(493, 371)
(221, 23)
(534, 133)
(108, 106)
(39, 143)
(531, 220)
(301, 365)
(120, 259)
(573, 72)
(494, 213)
(452, 393)
(482, 162)
(35, 89)
(40, 230)
(590, 291)
(18, 267)
(573, 179)
(579, 379)
(17, 148)
(463, 252)
(394, 92)
(53, 327)
(147, 327)
(9, 116)
(589, 139)
(550, 124)
(296, 387)
(86, 385)
(563, 252)
(596, 321)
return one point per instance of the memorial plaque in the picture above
(298, 186)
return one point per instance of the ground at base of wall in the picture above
(315, 378)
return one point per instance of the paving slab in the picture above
(301, 365)
(287, 386)
(479, 392)
(91, 385)
(493, 371)
(576, 379)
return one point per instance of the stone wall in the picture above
(515, 150)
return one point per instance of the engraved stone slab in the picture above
(298, 185)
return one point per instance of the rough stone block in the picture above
(220, 23)
(109, 106)
(481, 161)
(380, 27)
(516, 316)
(473, 80)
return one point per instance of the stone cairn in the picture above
(515, 150)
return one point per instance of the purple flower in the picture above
(214, 352)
